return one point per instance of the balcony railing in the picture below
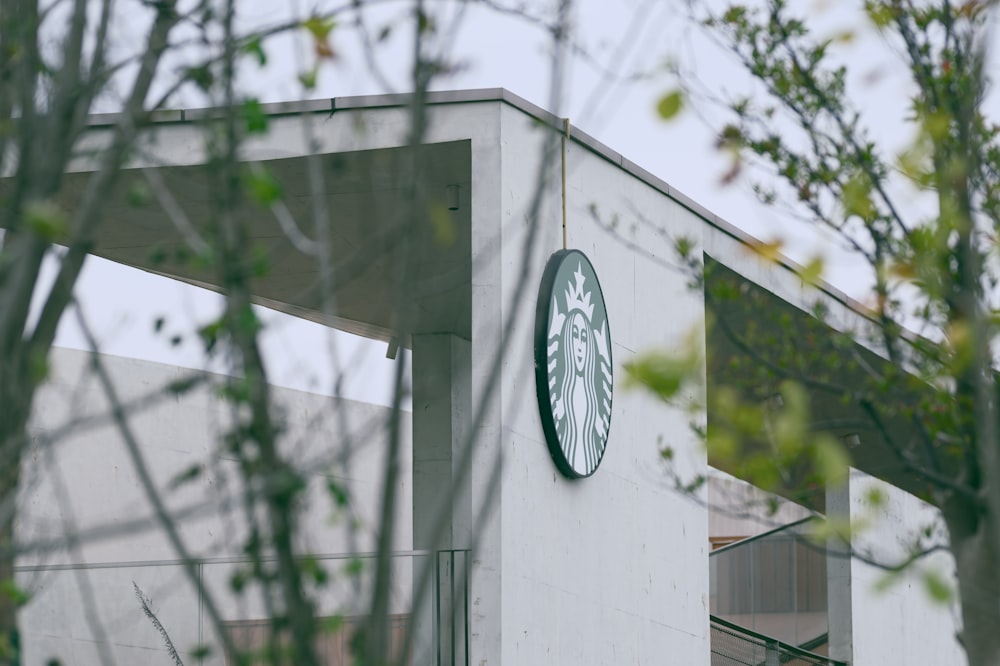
(733, 645)
(117, 629)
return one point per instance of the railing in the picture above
(451, 608)
(733, 645)
(88, 613)
(774, 583)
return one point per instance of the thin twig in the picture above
(145, 601)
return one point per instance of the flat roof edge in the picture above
(473, 95)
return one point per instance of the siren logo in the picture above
(573, 363)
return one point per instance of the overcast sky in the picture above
(605, 96)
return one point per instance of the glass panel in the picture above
(774, 584)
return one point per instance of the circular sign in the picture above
(573, 363)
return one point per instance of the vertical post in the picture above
(772, 654)
(465, 603)
(838, 578)
(442, 413)
(437, 607)
(201, 608)
(451, 607)
(794, 546)
(454, 608)
(753, 587)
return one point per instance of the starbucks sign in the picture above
(573, 363)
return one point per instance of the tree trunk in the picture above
(979, 588)
(9, 635)
(12, 438)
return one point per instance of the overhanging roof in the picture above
(379, 212)
(756, 340)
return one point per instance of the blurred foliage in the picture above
(907, 377)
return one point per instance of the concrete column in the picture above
(838, 578)
(442, 413)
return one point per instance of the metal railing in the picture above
(733, 645)
(51, 625)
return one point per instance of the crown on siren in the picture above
(576, 298)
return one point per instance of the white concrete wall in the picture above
(897, 623)
(609, 569)
(85, 482)
(739, 509)
(612, 568)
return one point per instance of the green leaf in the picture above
(238, 580)
(661, 373)
(937, 587)
(201, 76)
(937, 125)
(670, 104)
(736, 14)
(791, 423)
(47, 219)
(201, 651)
(684, 246)
(354, 567)
(158, 254)
(857, 198)
(254, 117)
(812, 272)
(831, 527)
(886, 582)
(185, 476)
(308, 78)
(15, 594)
(915, 162)
(182, 386)
(138, 194)
(38, 365)
(876, 497)
(331, 624)
(7, 650)
(312, 568)
(255, 48)
(320, 28)
(426, 22)
(768, 250)
(263, 187)
(443, 225)
(880, 13)
(338, 493)
(831, 461)
(722, 447)
(260, 260)
(211, 333)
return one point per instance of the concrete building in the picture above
(609, 568)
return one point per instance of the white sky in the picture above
(625, 36)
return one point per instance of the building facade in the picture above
(589, 558)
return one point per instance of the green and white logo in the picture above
(573, 363)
